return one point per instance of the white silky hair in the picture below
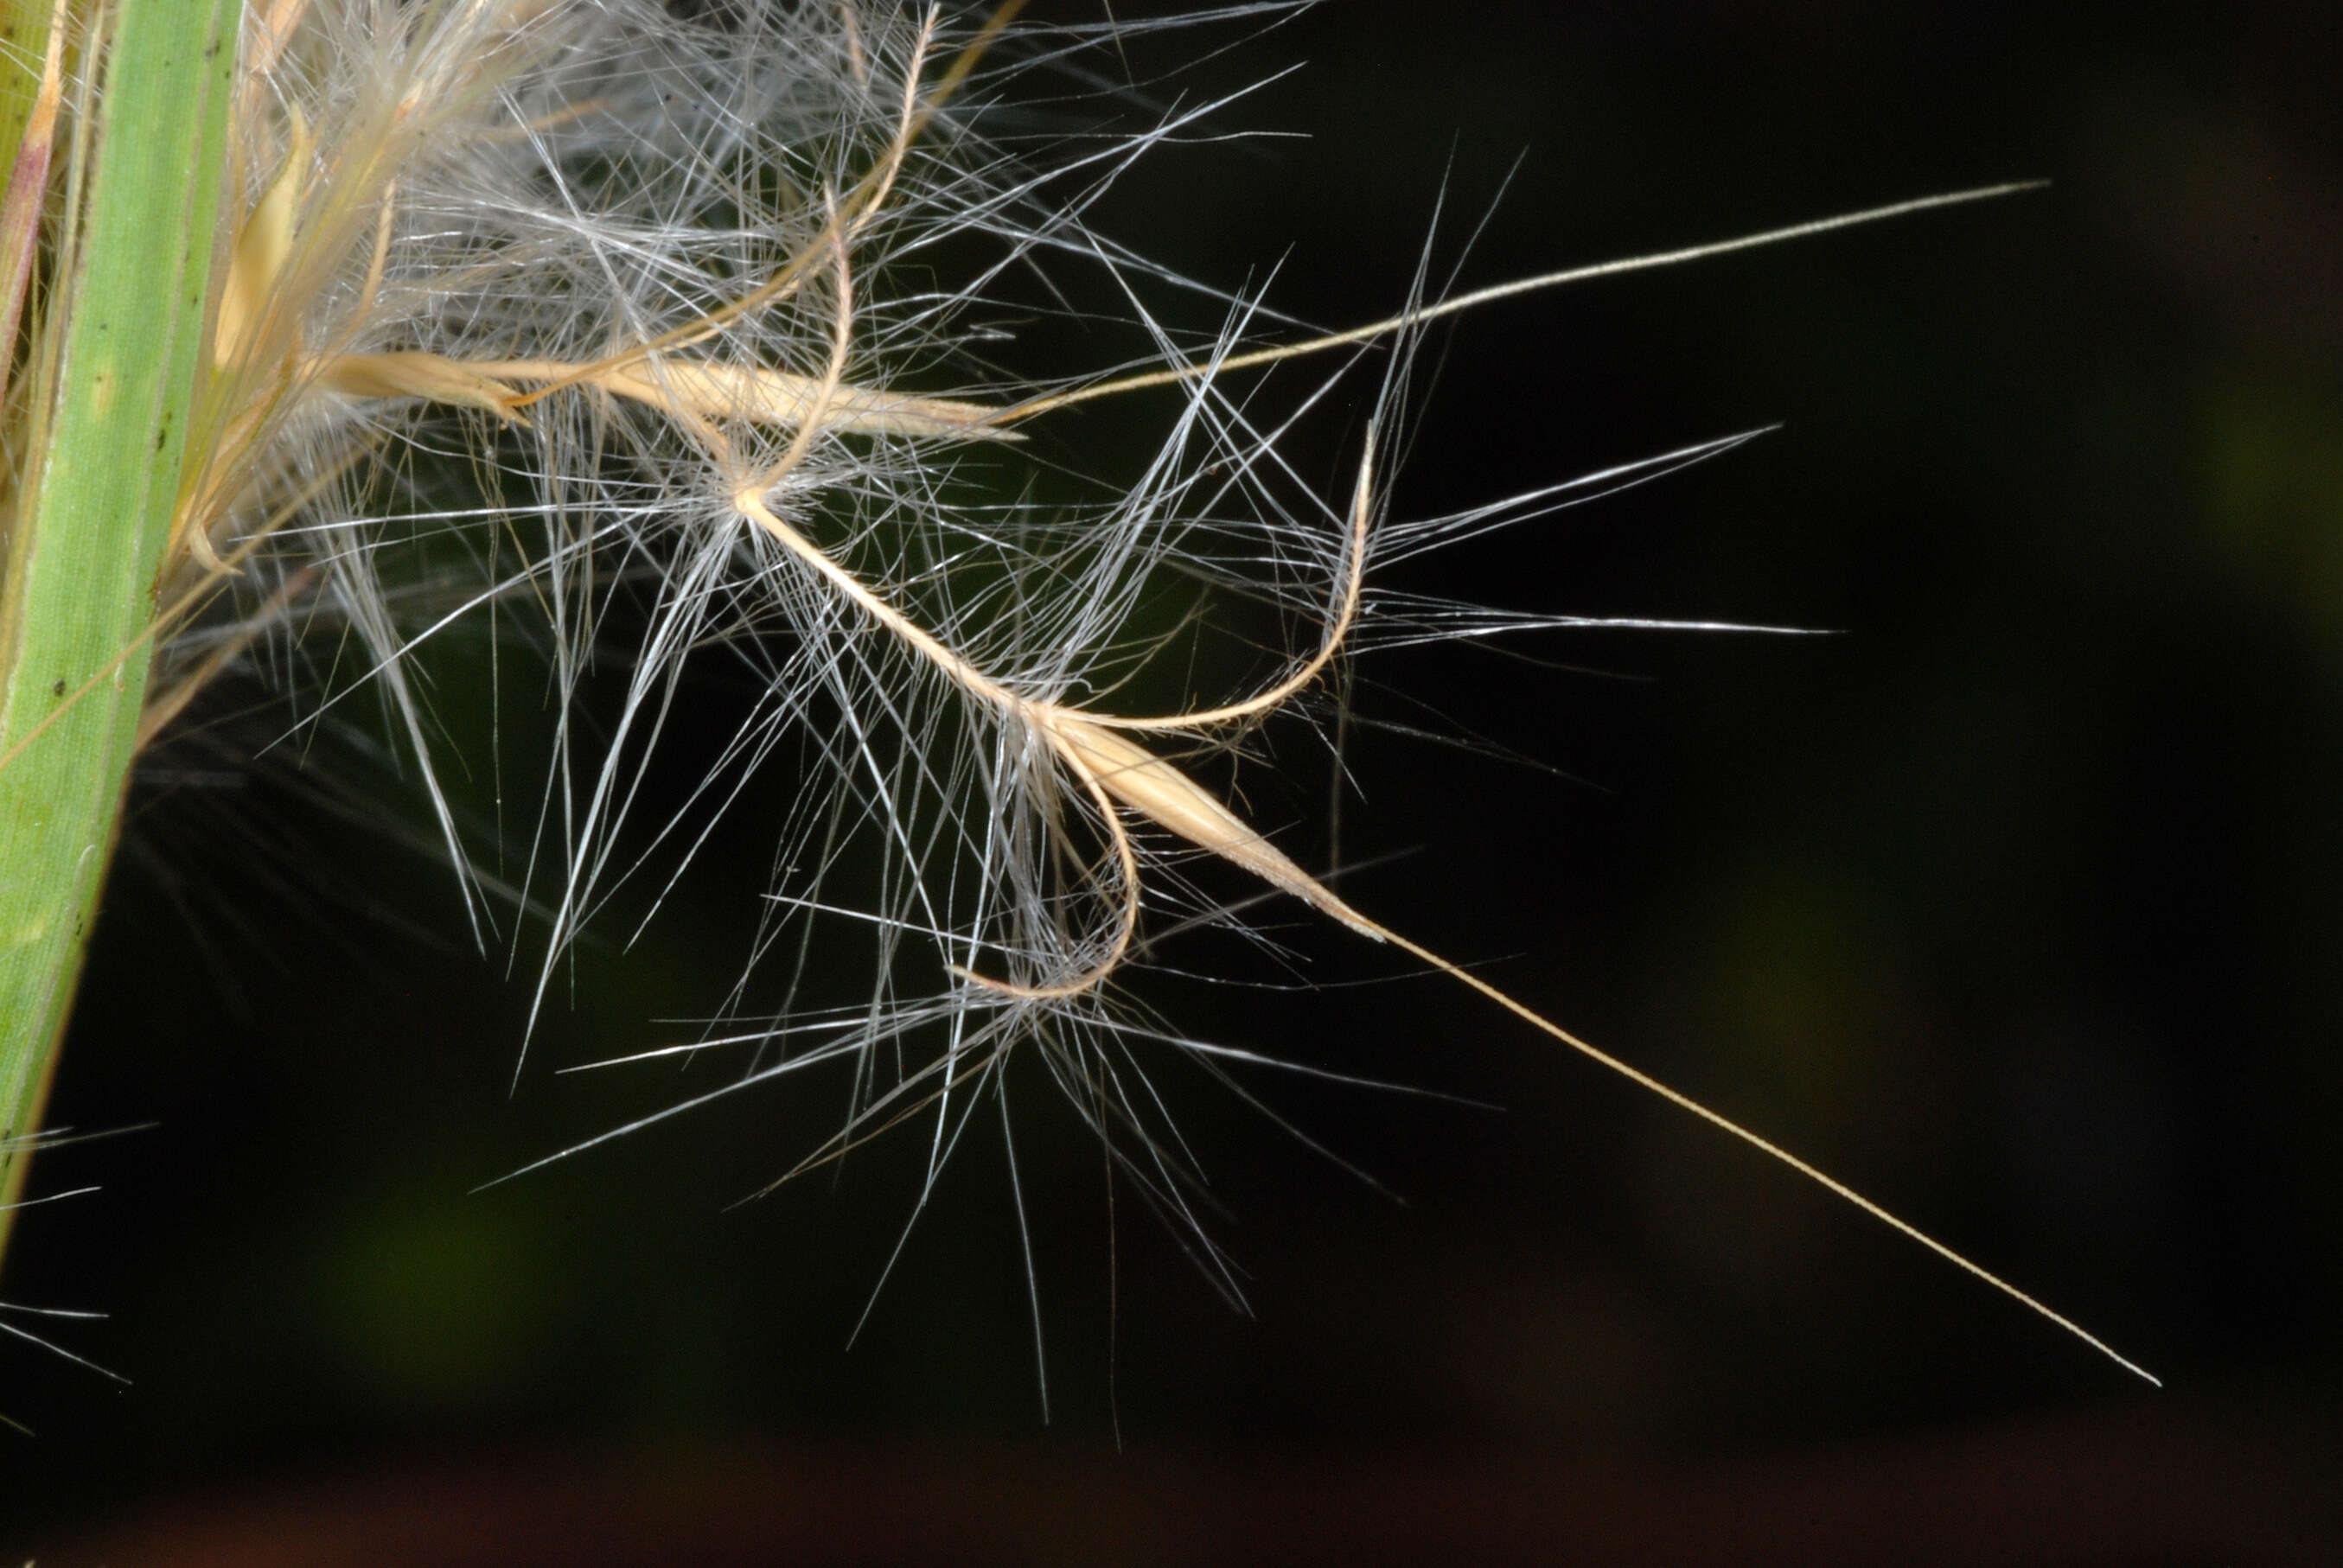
(516, 186)
(612, 312)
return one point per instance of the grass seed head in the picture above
(667, 278)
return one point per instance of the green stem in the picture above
(91, 521)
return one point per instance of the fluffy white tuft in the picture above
(572, 307)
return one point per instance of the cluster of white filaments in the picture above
(667, 281)
(647, 268)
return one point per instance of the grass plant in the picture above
(676, 287)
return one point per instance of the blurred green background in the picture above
(2016, 904)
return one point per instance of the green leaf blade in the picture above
(89, 536)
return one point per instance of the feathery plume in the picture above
(666, 277)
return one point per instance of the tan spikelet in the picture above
(1167, 797)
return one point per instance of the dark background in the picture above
(2014, 905)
